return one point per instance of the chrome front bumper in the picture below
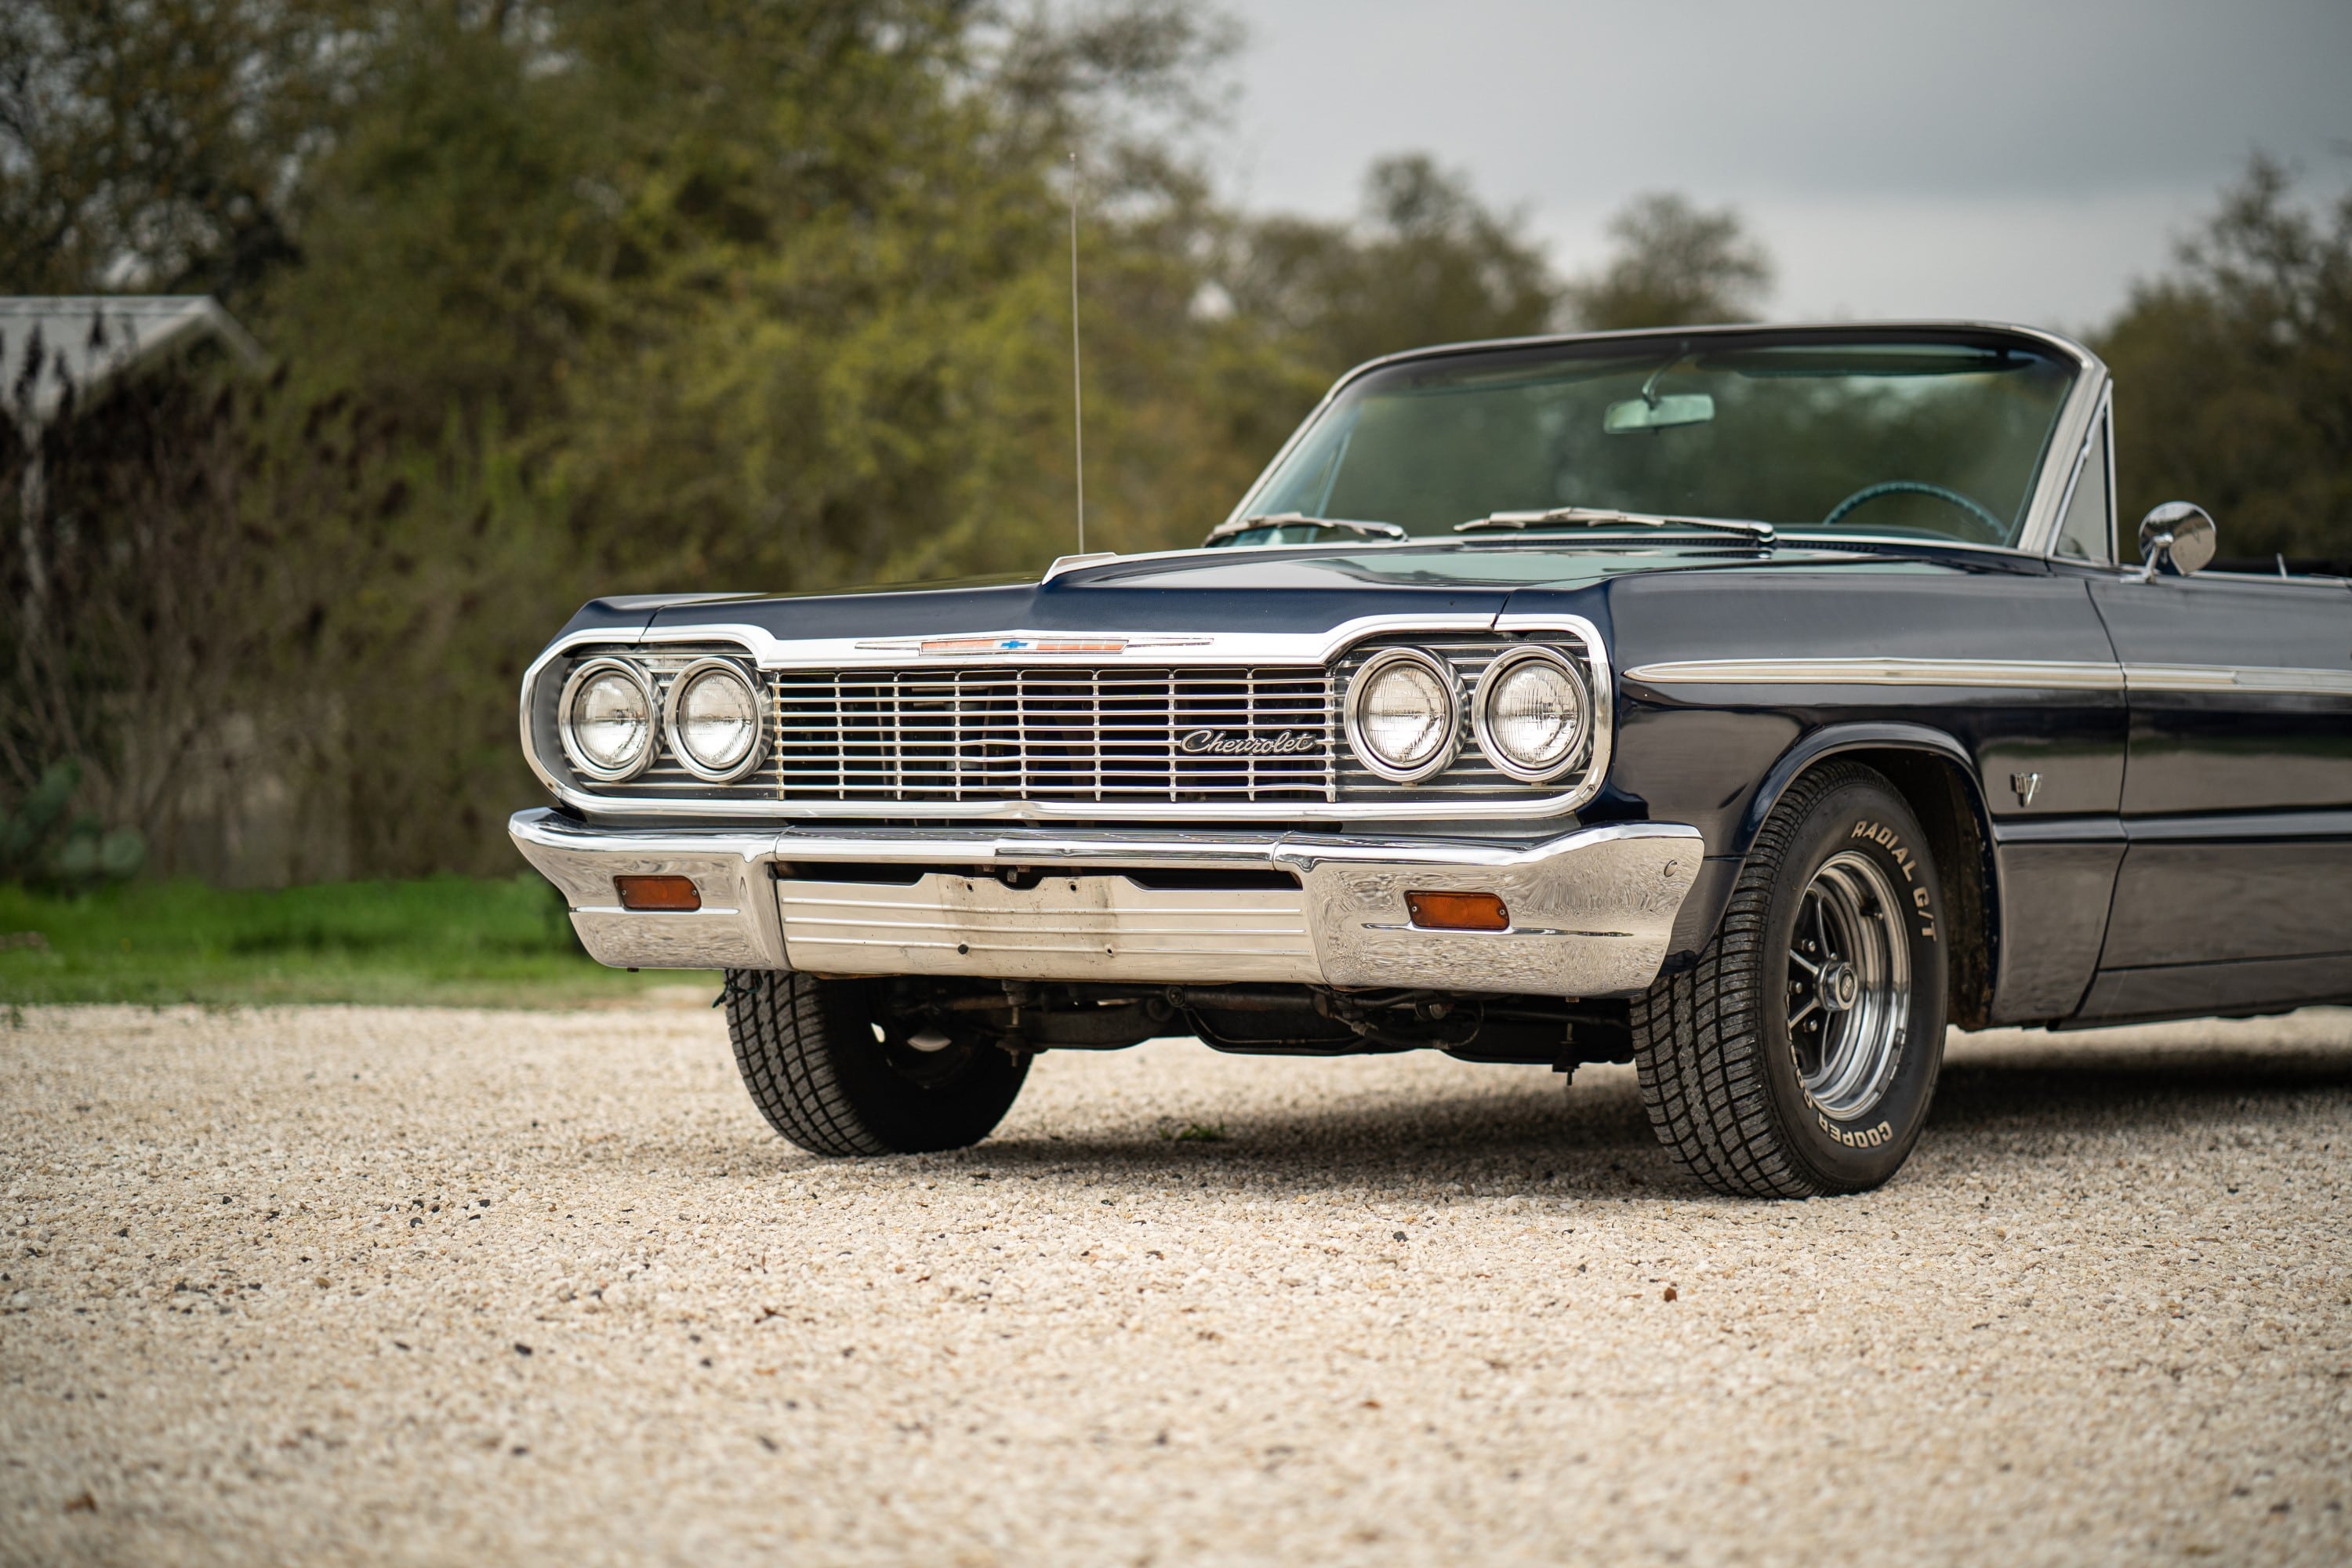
(1591, 912)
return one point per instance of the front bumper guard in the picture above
(1591, 911)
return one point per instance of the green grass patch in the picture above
(443, 940)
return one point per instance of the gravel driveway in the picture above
(329, 1284)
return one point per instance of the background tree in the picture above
(2233, 377)
(1426, 263)
(630, 295)
(189, 613)
(156, 144)
(1675, 265)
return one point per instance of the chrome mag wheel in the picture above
(1849, 985)
(1798, 1056)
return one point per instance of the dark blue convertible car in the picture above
(1745, 703)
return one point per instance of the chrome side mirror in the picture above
(2178, 538)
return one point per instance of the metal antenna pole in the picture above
(1077, 387)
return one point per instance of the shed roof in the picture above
(87, 340)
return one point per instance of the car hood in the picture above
(1265, 589)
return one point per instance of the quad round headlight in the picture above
(606, 718)
(713, 720)
(1531, 714)
(1402, 714)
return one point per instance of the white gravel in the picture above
(354, 1285)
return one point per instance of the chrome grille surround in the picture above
(878, 730)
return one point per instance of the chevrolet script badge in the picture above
(1225, 743)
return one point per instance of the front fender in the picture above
(1702, 912)
(1857, 736)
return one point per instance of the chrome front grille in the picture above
(1121, 740)
(1126, 736)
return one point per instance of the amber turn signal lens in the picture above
(1458, 911)
(675, 893)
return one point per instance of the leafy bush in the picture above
(44, 845)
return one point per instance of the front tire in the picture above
(835, 1072)
(1799, 1057)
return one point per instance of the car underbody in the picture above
(1258, 1020)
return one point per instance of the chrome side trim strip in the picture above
(2316, 825)
(2268, 679)
(2057, 830)
(2243, 827)
(2049, 675)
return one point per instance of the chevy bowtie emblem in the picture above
(933, 646)
(1225, 743)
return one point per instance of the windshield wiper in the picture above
(1299, 520)
(1609, 517)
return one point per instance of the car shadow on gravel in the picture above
(1526, 1136)
(1593, 1140)
(2110, 1087)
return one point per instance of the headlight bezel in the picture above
(1359, 687)
(1481, 715)
(577, 754)
(685, 681)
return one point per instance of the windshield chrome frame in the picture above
(2101, 420)
(2061, 456)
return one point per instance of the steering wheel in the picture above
(1995, 531)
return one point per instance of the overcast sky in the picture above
(1993, 159)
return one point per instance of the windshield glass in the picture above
(1938, 437)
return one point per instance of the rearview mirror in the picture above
(2176, 538)
(1660, 413)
